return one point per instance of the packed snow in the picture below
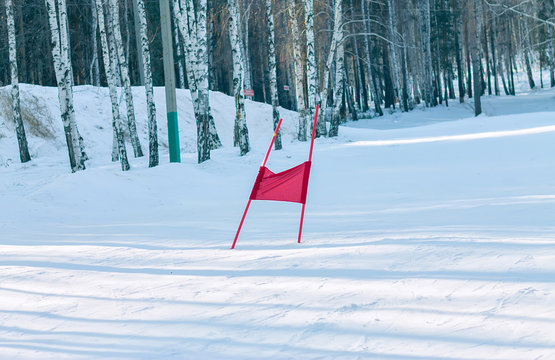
(427, 235)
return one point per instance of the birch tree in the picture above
(475, 55)
(337, 38)
(94, 71)
(298, 67)
(177, 40)
(16, 106)
(192, 26)
(427, 52)
(241, 133)
(374, 91)
(126, 81)
(311, 68)
(153, 157)
(394, 46)
(245, 45)
(213, 141)
(110, 70)
(273, 70)
(57, 19)
(339, 87)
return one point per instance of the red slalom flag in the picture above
(289, 185)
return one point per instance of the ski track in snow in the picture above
(428, 235)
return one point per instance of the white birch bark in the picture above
(427, 52)
(298, 67)
(153, 158)
(182, 23)
(57, 20)
(339, 87)
(110, 69)
(368, 47)
(241, 131)
(474, 27)
(177, 40)
(192, 26)
(273, 70)
(362, 104)
(337, 37)
(245, 46)
(203, 69)
(16, 105)
(64, 36)
(311, 68)
(94, 71)
(203, 131)
(394, 48)
(116, 74)
(126, 81)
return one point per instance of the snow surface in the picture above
(428, 235)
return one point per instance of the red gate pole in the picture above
(271, 143)
(241, 224)
(309, 159)
(263, 164)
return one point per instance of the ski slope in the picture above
(427, 235)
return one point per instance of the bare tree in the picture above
(19, 128)
(126, 81)
(273, 71)
(57, 16)
(298, 66)
(311, 68)
(241, 133)
(475, 54)
(154, 158)
(339, 85)
(110, 70)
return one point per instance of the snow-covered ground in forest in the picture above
(428, 235)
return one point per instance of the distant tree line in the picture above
(352, 57)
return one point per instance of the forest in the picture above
(353, 58)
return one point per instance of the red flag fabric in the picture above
(289, 185)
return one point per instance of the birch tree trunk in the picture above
(368, 47)
(273, 70)
(60, 54)
(126, 81)
(194, 35)
(394, 49)
(427, 52)
(474, 27)
(245, 47)
(203, 91)
(203, 71)
(493, 31)
(112, 53)
(179, 53)
(339, 87)
(337, 37)
(16, 106)
(94, 67)
(298, 67)
(153, 157)
(241, 131)
(110, 69)
(311, 68)
(526, 52)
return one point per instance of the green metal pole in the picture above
(169, 80)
